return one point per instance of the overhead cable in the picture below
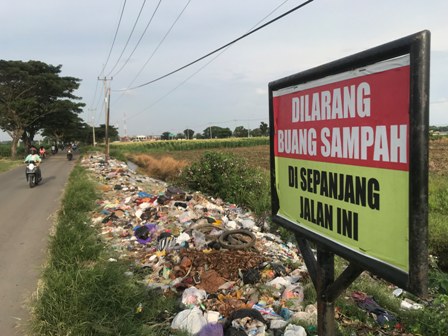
(202, 67)
(160, 43)
(140, 39)
(110, 51)
(127, 42)
(220, 48)
(155, 50)
(115, 37)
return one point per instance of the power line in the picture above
(155, 50)
(160, 43)
(115, 37)
(127, 42)
(94, 95)
(140, 39)
(220, 48)
(108, 56)
(202, 67)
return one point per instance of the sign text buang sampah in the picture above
(386, 143)
(348, 122)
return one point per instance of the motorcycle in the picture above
(69, 155)
(32, 175)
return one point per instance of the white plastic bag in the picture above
(191, 320)
(294, 330)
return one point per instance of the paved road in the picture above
(26, 216)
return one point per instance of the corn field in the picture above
(185, 145)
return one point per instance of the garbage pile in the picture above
(233, 278)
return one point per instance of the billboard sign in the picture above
(349, 156)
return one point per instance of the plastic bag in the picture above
(191, 320)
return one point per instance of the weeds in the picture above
(82, 293)
(166, 168)
(438, 215)
(228, 177)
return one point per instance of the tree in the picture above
(256, 133)
(29, 93)
(188, 133)
(167, 136)
(240, 132)
(64, 123)
(264, 128)
(100, 133)
(216, 132)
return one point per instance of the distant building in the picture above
(139, 138)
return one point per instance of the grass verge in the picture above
(8, 164)
(81, 292)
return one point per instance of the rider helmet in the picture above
(33, 150)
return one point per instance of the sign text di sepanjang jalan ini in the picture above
(342, 158)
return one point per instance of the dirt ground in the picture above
(257, 156)
(438, 156)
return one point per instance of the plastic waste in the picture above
(191, 320)
(193, 296)
(199, 239)
(409, 304)
(213, 329)
(294, 330)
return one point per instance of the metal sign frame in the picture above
(417, 46)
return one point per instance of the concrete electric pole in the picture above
(107, 110)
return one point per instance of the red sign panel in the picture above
(357, 121)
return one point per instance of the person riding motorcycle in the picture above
(33, 156)
(42, 153)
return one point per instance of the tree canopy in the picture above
(240, 132)
(216, 132)
(34, 96)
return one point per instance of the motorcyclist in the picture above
(42, 152)
(33, 156)
(69, 152)
(31, 148)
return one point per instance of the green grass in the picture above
(8, 164)
(438, 219)
(82, 293)
(5, 151)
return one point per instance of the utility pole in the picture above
(125, 128)
(107, 110)
(93, 126)
(93, 131)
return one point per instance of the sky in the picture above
(227, 89)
